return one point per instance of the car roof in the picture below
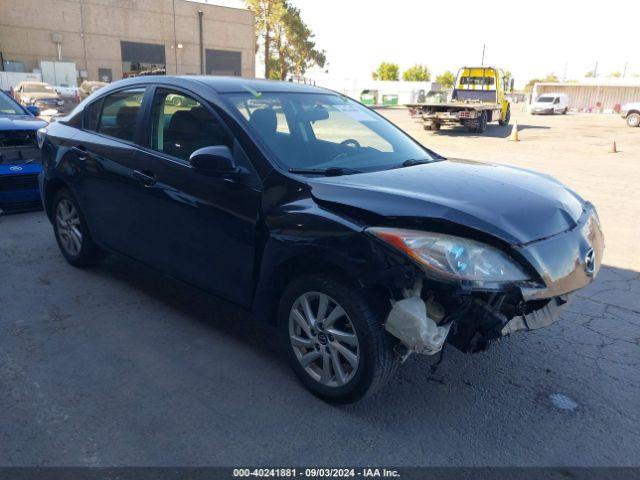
(224, 84)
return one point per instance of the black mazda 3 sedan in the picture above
(358, 244)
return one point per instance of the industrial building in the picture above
(594, 95)
(112, 39)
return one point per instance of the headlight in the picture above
(453, 258)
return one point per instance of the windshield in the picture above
(324, 131)
(545, 99)
(9, 107)
(38, 89)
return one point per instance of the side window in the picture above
(120, 113)
(557, 100)
(180, 125)
(91, 115)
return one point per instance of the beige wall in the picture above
(26, 28)
(585, 97)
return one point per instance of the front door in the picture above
(199, 228)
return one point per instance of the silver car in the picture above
(631, 113)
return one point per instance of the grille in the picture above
(18, 146)
(18, 182)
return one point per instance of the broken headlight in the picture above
(454, 258)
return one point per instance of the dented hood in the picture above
(515, 205)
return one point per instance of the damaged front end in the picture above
(471, 313)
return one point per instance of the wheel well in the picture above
(53, 187)
(630, 112)
(300, 266)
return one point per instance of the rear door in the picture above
(197, 227)
(106, 156)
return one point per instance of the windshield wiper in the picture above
(329, 172)
(412, 161)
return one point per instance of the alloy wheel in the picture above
(68, 227)
(323, 339)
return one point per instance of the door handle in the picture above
(145, 177)
(80, 151)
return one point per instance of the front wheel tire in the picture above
(334, 339)
(507, 119)
(633, 120)
(71, 231)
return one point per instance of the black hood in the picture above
(515, 205)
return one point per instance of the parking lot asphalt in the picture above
(118, 365)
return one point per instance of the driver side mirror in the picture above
(215, 160)
(33, 110)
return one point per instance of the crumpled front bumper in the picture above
(568, 261)
(536, 319)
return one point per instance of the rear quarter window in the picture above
(91, 114)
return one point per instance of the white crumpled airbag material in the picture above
(408, 321)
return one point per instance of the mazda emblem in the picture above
(590, 262)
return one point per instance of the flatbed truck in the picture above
(478, 98)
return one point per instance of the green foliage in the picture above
(387, 71)
(446, 79)
(289, 48)
(417, 73)
(551, 77)
(590, 74)
(615, 75)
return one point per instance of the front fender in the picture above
(303, 237)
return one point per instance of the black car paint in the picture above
(245, 235)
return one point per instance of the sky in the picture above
(529, 38)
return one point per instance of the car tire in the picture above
(507, 119)
(338, 371)
(633, 119)
(564, 112)
(482, 124)
(71, 232)
(435, 127)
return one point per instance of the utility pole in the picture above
(482, 61)
(624, 72)
(595, 70)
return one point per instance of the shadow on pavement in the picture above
(493, 131)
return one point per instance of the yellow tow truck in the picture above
(478, 98)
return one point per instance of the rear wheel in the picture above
(633, 120)
(482, 124)
(71, 231)
(435, 126)
(334, 339)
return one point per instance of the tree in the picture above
(615, 75)
(417, 73)
(550, 78)
(446, 79)
(295, 46)
(268, 14)
(387, 71)
(590, 74)
(287, 41)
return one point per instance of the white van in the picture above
(550, 103)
